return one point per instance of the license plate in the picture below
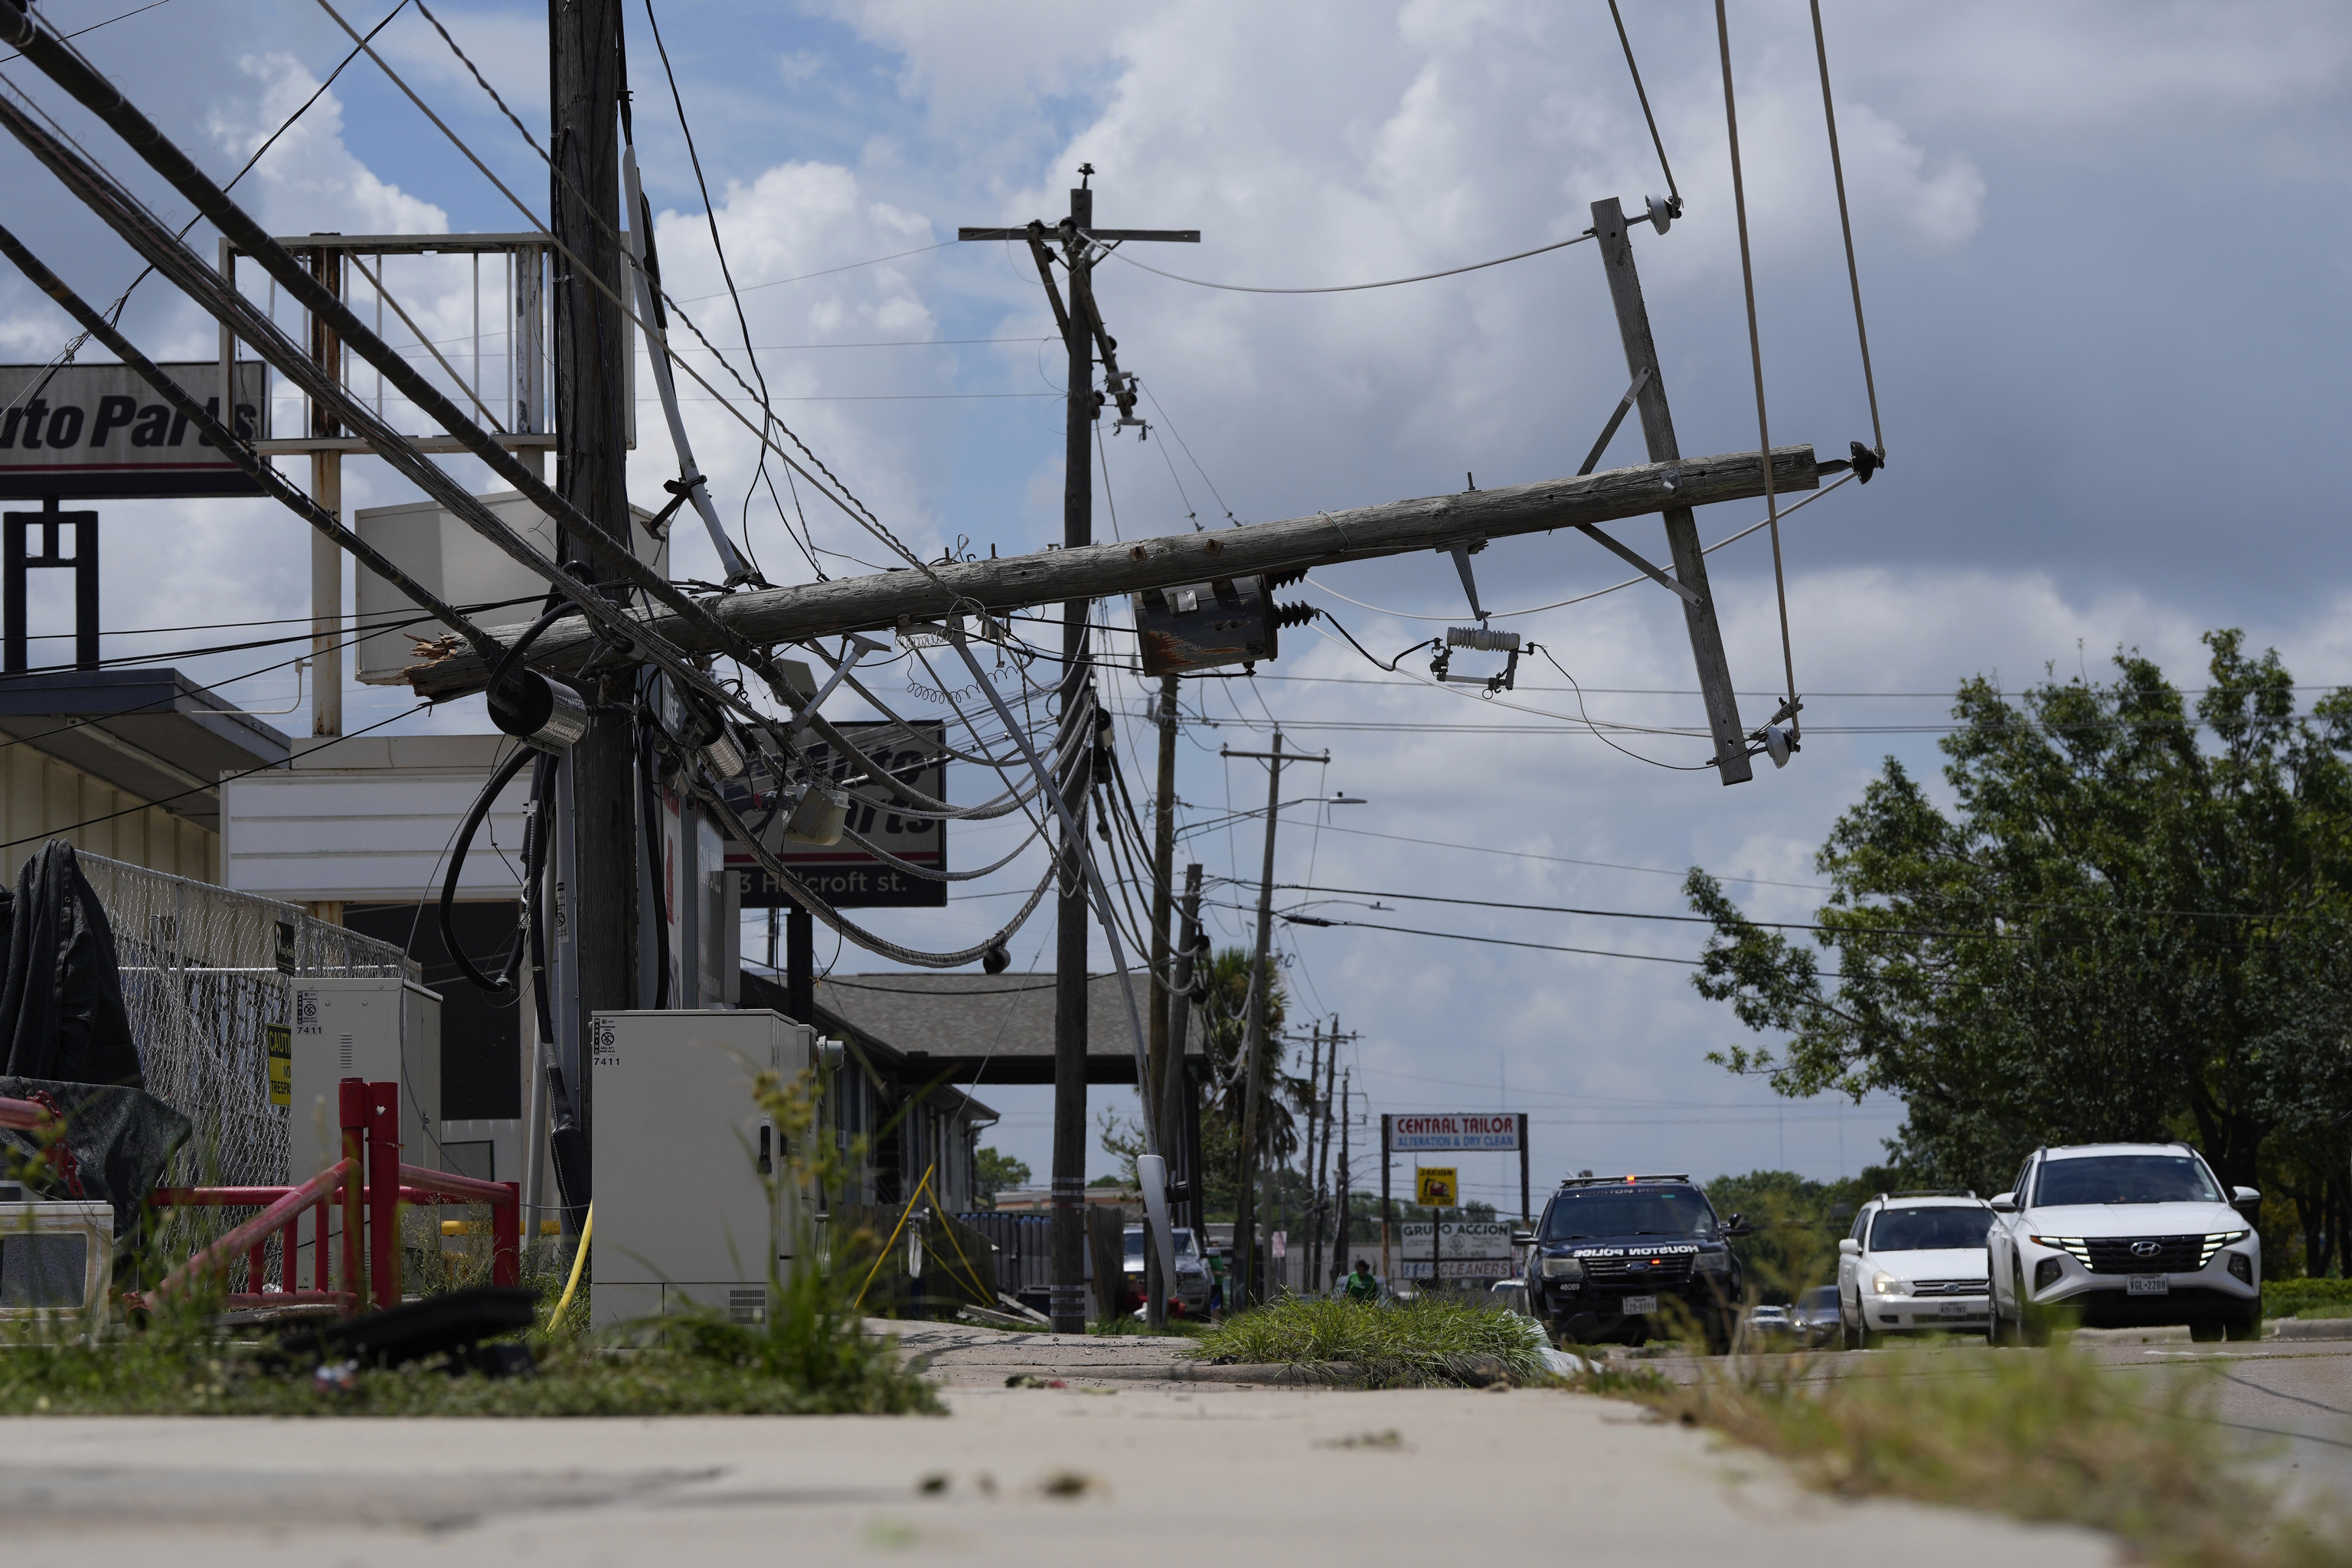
(1956, 1309)
(1641, 1306)
(2148, 1284)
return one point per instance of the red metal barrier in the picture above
(284, 1212)
(24, 1115)
(373, 1183)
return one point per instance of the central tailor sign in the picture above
(1448, 1131)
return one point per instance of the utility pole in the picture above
(1682, 528)
(591, 349)
(1330, 1068)
(326, 490)
(1082, 335)
(1261, 993)
(1314, 1114)
(1339, 1245)
(1163, 869)
(1176, 1125)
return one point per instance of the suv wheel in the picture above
(2246, 1325)
(2207, 1332)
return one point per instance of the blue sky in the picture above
(2103, 249)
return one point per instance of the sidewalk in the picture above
(1114, 1467)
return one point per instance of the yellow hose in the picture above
(579, 1258)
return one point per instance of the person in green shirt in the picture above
(1361, 1286)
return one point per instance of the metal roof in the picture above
(978, 1028)
(152, 733)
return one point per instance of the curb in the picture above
(2310, 1329)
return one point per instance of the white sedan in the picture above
(1916, 1262)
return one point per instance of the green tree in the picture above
(2133, 923)
(1282, 1099)
(995, 1173)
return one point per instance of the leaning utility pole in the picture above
(1261, 993)
(592, 349)
(1082, 335)
(1682, 527)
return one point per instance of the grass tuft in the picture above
(1425, 1341)
(2049, 1436)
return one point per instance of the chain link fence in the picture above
(204, 972)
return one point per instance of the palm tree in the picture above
(1281, 1098)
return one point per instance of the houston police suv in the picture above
(1633, 1257)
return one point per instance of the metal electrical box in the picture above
(382, 1030)
(685, 1159)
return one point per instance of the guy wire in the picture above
(1845, 223)
(1755, 345)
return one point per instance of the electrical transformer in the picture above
(686, 1162)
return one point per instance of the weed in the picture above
(1422, 1342)
(2049, 1436)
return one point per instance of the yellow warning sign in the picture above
(1433, 1187)
(280, 1040)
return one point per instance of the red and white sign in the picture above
(1474, 1130)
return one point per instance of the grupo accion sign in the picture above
(1454, 1130)
(97, 432)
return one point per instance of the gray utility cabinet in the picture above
(384, 1030)
(683, 1209)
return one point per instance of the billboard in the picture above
(1466, 1249)
(1450, 1130)
(453, 561)
(846, 874)
(97, 432)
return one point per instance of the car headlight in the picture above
(1887, 1285)
(1714, 1262)
(1562, 1268)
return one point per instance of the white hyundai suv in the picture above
(2123, 1235)
(1914, 1262)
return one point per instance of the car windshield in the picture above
(1930, 1230)
(1820, 1298)
(1588, 1212)
(2125, 1179)
(1184, 1246)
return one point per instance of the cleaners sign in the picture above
(1476, 1130)
(94, 432)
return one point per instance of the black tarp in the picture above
(120, 1141)
(61, 1012)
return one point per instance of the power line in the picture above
(1673, 193)
(1492, 940)
(726, 273)
(1353, 287)
(1845, 225)
(828, 271)
(94, 26)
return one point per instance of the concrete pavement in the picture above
(1028, 1476)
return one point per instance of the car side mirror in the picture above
(2241, 1196)
(1737, 1226)
(1523, 1238)
(2003, 1203)
(1849, 1248)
